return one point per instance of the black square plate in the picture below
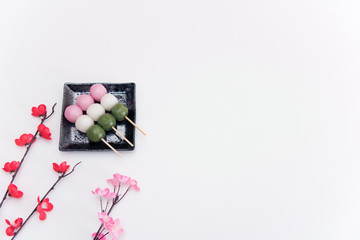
(73, 140)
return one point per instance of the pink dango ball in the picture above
(72, 113)
(84, 101)
(97, 91)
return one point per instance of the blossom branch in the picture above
(52, 111)
(104, 235)
(63, 175)
(108, 223)
(117, 199)
(28, 146)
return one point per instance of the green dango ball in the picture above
(107, 121)
(95, 133)
(119, 111)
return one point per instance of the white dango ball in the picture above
(95, 111)
(83, 123)
(108, 101)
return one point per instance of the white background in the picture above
(251, 108)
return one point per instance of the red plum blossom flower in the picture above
(44, 206)
(12, 227)
(11, 166)
(14, 192)
(39, 111)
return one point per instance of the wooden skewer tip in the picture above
(135, 125)
(111, 147)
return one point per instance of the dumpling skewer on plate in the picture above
(105, 120)
(85, 124)
(118, 110)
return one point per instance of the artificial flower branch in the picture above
(44, 204)
(99, 234)
(27, 140)
(108, 223)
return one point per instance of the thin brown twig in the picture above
(25, 154)
(46, 194)
(52, 111)
(116, 201)
(104, 235)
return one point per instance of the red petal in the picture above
(41, 127)
(8, 222)
(14, 165)
(10, 231)
(47, 137)
(42, 109)
(7, 167)
(50, 207)
(42, 215)
(35, 112)
(56, 167)
(18, 194)
(44, 131)
(12, 188)
(19, 142)
(64, 167)
(29, 138)
(18, 222)
(39, 209)
(63, 164)
(24, 138)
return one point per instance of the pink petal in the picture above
(105, 192)
(97, 191)
(112, 195)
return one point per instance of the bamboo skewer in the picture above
(123, 137)
(111, 147)
(135, 125)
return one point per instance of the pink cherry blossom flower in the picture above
(121, 178)
(114, 228)
(118, 179)
(101, 193)
(133, 184)
(110, 195)
(109, 224)
(104, 193)
(103, 217)
(113, 181)
(100, 236)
